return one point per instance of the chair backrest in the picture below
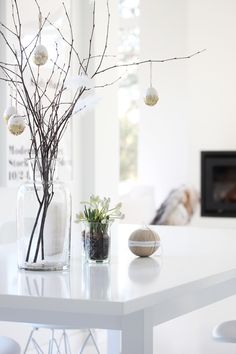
(9, 346)
(225, 332)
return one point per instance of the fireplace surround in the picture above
(218, 183)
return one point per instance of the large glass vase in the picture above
(43, 220)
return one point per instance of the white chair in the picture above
(37, 284)
(9, 346)
(61, 346)
(225, 332)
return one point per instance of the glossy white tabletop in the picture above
(191, 259)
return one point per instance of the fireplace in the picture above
(218, 183)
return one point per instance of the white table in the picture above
(132, 295)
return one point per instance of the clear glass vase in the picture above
(97, 242)
(43, 220)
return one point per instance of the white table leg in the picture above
(113, 342)
(137, 334)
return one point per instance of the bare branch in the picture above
(109, 83)
(67, 42)
(148, 61)
(91, 39)
(106, 40)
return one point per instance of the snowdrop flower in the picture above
(98, 210)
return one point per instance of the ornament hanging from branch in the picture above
(11, 109)
(40, 53)
(151, 97)
(16, 124)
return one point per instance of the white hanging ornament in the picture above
(151, 96)
(16, 124)
(9, 111)
(40, 55)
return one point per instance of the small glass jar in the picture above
(43, 221)
(97, 242)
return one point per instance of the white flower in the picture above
(105, 204)
(76, 82)
(118, 206)
(97, 210)
(94, 200)
(104, 221)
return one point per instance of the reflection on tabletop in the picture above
(207, 251)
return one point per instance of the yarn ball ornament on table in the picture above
(9, 111)
(144, 242)
(151, 96)
(40, 55)
(16, 124)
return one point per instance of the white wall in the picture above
(211, 79)
(96, 144)
(197, 97)
(163, 137)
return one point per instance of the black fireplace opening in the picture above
(218, 183)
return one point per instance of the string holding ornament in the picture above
(16, 123)
(151, 97)
(40, 56)
(11, 109)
